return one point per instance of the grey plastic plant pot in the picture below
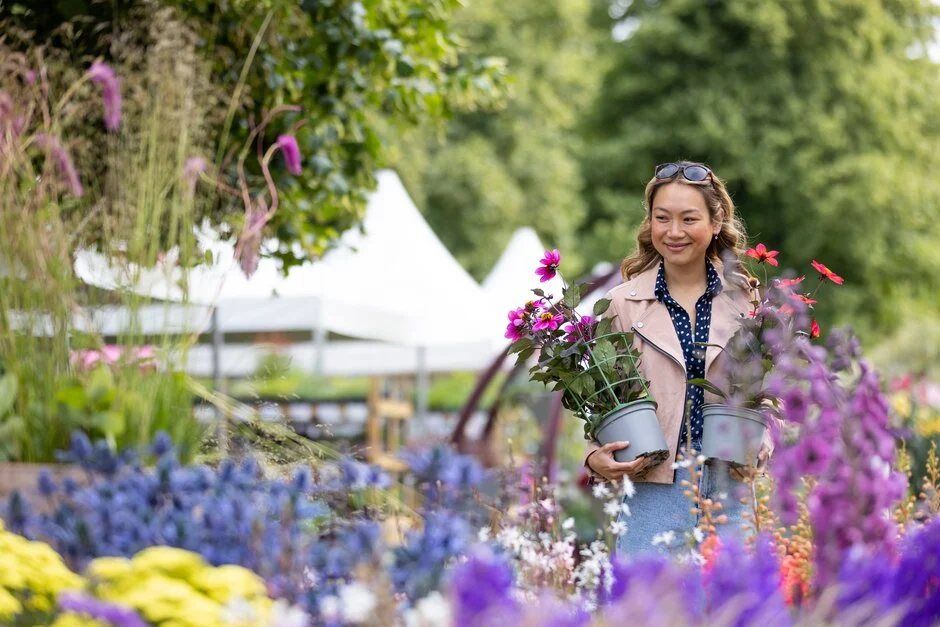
(732, 434)
(636, 423)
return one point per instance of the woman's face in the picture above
(681, 226)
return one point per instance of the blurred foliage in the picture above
(348, 64)
(447, 392)
(486, 173)
(822, 115)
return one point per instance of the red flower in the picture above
(790, 282)
(803, 297)
(762, 254)
(814, 329)
(826, 273)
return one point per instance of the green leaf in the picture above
(707, 385)
(572, 296)
(7, 392)
(601, 306)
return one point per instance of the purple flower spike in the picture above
(288, 145)
(63, 162)
(113, 614)
(549, 267)
(101, 74)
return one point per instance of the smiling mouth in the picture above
(676, 246)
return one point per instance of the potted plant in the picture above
(734, 429)
(596, 369)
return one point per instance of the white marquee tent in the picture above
(509, 284)
(394, 284)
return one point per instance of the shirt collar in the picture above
(712, 281)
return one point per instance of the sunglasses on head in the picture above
(692, 172)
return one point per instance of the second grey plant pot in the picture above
(636, 423)
(732, 434)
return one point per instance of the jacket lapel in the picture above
(655, 325)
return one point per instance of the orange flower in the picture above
(826, 273)
(803, 297)
(709, 550)
(762, 255)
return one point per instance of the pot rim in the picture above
(749, 413)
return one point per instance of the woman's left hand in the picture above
(744, 473)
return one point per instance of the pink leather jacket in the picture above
(635, 308)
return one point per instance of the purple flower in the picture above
(547, 321)
(116, 615)
(481, 590)
(549, 267)
(580, 330)
(63, 161)
(102, 74)
(751, 582)
(291, 151)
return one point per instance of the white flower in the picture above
(311, 577)
(547, 504)
(601, 491)
(238, 610)
(627, 489)
(483, 535)
(666, 537)
(611, 508)
(618, 528)
(329, 608)
(568, 524)
(700, 459)
(357, 602)
(698, 535)
(283, 614)
(625, 509)
(431, 611)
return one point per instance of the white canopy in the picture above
(509, 284)
(395, 283)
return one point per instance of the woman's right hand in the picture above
(603, 463)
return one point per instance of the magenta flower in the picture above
(579, 330)
(101, 74)
(549, 267)
(63, 162)
(547, 320)
(288, 146)
(517, 322)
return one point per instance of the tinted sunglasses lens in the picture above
(696, 173)
(667, 170)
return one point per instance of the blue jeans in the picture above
(657, 507)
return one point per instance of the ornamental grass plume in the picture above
(102, 75)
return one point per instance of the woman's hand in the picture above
(743, 473)
(603, 463)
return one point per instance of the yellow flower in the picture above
(177, 563)
(226, 582)
(901, 403)
(9, 605)
(109, 568)
(69, 619)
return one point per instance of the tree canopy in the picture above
(822, 116)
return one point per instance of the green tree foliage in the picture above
(348, 64)
(487, 172)
(822, 115)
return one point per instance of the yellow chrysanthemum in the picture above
(229, 581)
(177, 563)
(69, 619)
(9, 605)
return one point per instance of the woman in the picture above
(683, 284)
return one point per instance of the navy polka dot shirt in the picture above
(694, 355)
